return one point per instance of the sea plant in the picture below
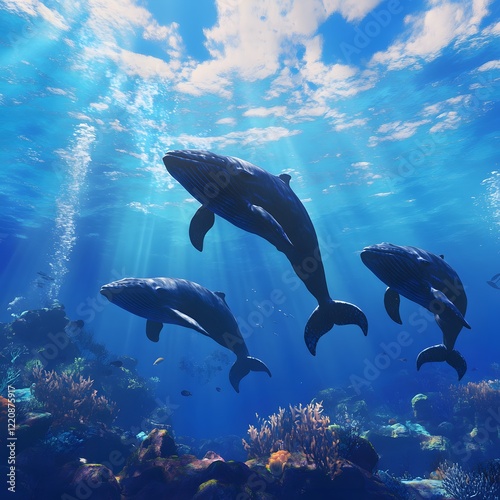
(464, 485)
(299, 429)
(71, 399)
(478, 397)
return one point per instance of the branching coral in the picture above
(464, 485)
(9, 377)
(301, 428)
(480, 397)
(71, 400)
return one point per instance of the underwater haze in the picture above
(384, 113)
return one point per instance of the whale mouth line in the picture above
(193, 158)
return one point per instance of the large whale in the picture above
(185, 303)
(264, 204)
(429, 281)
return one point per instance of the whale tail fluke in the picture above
(438, 353)
(242, 367)
(333, 313)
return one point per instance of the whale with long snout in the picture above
(264, 204)
(429, 281)
(188, 304)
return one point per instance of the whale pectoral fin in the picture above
(391, 303)
(181, 319)
(443, 299)
(437, 353)
(200, 224)
(153, 329)
(269, 228)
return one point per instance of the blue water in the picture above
(85, 198)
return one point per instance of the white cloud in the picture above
(100, 106)
(226, 121)
(263, 112)
(352, 10)
(492, 29)
(449, 120)
(438, 107)
(132, 63)
(36, 8)
(382, 195)
(117, 126)
(57, 91)
(429, 32)
(252, 39)
(252, 136)
(396, 131)
(358, 122)
(495, 64)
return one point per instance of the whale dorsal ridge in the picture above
(285, 178)
(222, 296)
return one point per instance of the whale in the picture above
(429, 281)
(187, 304)
(264, 204)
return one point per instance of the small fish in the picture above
(82, 460)
(45, 276)
(186, 393)
(403, 360)
(218, 389)
(158, 361)
(494, 281)
(117, 363)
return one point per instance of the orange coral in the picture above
(300, 429)
(277, 462)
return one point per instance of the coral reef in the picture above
(301, 428)
(277, 462)
(475, 399)
(464, 485)
(71, 400)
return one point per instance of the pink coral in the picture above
(71, 400)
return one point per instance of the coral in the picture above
(75, 368)
(71, 400)
(277, 461)
(479, 397)
(10, 376)
(463, 485)
(302, 429)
